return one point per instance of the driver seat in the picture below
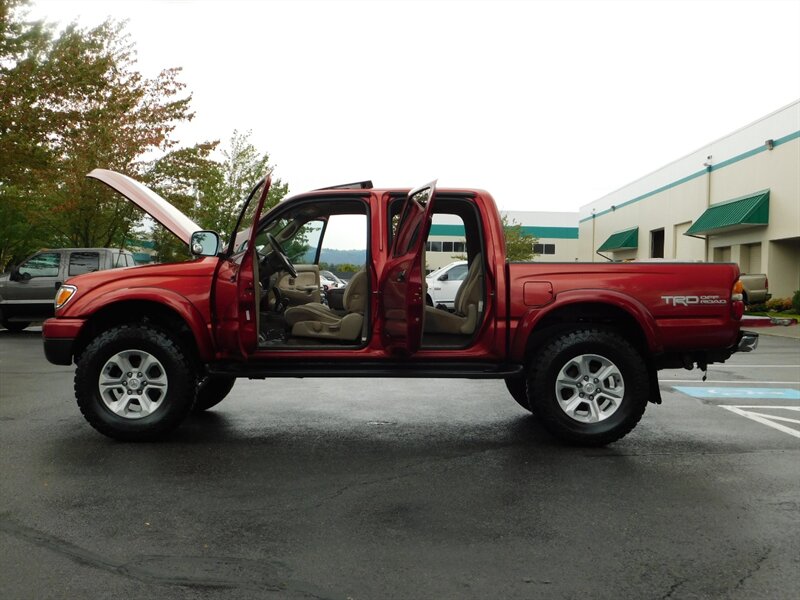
(315, 320)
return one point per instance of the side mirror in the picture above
(204, 243)
(15, 275)
(444, 277)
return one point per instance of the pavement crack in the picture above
(186, 571)
(673, 588)
(754, 569)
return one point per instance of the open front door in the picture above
(236, 284)
(403, 279)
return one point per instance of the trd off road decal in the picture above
(689, 300)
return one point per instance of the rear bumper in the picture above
(58, 336)
(748, 341)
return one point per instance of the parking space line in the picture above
(762, 419)
(725, 381)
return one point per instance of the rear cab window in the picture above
(83, 262)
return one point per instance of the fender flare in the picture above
(179, 304)
(529, 321)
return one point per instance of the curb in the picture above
(767, 322)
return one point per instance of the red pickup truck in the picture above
(577, 344)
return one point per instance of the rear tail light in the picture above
(738, 291)
(766, 283)
(737, 300)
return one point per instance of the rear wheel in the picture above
(590, 386)
(134, 383)
(517, 386)
(212, 390)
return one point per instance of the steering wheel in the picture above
(284, 261)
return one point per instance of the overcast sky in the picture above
(548, 105)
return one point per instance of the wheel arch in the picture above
(187, 327)
(606, 309)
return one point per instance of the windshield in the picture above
(241, 233)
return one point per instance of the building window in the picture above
(459, 247)
(657, 243)
(722, 254)
(434, 246)
(544, 248)
(447, 246)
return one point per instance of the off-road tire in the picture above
(212, 390)
(517, 387)
(557, 354)
(179, 373)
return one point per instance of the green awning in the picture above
(739, 213)
(622, 240)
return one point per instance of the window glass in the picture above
(447, 246)
(83, 262)
(435, 246)
(459, 247)
(415, 207)
(344, 247)
(457, 273)
(44, 264)
(549, 248)
(241, 233)
(308, 234)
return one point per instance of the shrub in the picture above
(756, 308)
(796, 302)
(779, 304)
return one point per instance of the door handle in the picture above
(401, 276)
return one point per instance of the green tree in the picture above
(519, 245)
(207, 190)
(69, 103)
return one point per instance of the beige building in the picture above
(556, 233)
(734, 200)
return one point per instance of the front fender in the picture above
(179, 304)
(572, 300)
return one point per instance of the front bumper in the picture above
(58, 336)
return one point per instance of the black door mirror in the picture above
(15, 275)
(444, 277)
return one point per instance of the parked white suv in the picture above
(443, 283)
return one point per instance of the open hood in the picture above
(150, 202)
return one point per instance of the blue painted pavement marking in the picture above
(740, 392)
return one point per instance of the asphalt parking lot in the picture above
(345, 488)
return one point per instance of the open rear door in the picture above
(402, 284)
(236, 283)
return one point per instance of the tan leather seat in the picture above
(315, 320)
(468, 299)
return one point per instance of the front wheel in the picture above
(134, 383)
(590, 387)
